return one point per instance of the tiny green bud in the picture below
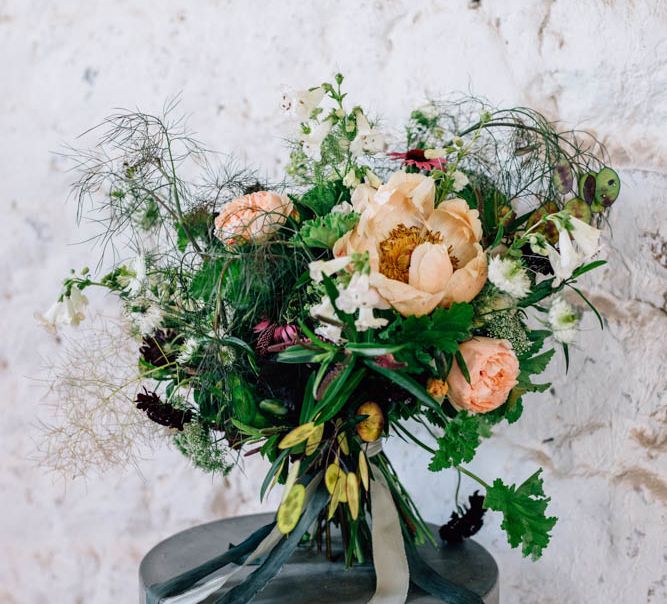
(85, 270)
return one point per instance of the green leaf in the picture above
(324, 231)
(371, 349)
(524, 513)
(538, 363)
(459, 442)
(443, 329)
(205, 283)
(321, 198)
(409, 385)
(589, 303)
(300, 354)
(587, 267)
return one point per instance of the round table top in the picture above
(309, 577)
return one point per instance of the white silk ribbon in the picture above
(201, 591)
(392, 574)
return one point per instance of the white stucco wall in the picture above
(601, 435)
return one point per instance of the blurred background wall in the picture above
(601, 437)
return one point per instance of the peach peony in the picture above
(421, 257)
(254, 217)
(493, 369)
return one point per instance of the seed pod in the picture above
(548, 229)
(587, 183)
(562, 176)
(363, 469)
(579, 209)
(352, 491)
(608, 187)
(333, 478)
(297, 436)
(314, 439)
(370, 428)
(290, 509)
(343, 444)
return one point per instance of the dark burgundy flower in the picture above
(466, 525)
(417, 158)
(162, 413)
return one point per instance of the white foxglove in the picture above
(318, 268)
(67, 312)
(312, 142)
(564, 262)
(460, 181)
(367, 139)
(302, 103)
(586, 237)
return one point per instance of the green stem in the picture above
(473, 476)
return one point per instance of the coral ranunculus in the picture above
(493, 369)
(421, 256)
(254, 217)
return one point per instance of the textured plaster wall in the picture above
(601, 436)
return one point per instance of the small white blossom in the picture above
(351, 180)
(329, 327)
(586, 237)
(359, 294)
(148, 320)
(563, 320)
(367, 320)
(509, 276)
(133, 281)
(428, 110)
(318, 268)
(312, 142)
(302, 103)
(188, 350)
(460, 181)
(564, 261)
(344, 207)
(438, 153)
(372, 179)
(367, 139)
(69, 311)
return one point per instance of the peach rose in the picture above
(254, 217)
(421, 256)
(493, 369)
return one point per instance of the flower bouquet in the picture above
(414, 293)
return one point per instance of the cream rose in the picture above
(254, 217)
(493, 369)
(421, 257)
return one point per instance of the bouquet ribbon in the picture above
(396, 562)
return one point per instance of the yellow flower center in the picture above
(396, 250)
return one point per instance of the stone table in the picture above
(309, 578)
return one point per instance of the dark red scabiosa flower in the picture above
(417, 158)
(162, 413)
(461, 527)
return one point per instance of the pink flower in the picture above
(493, 369)
(416, 158)
(254, 217)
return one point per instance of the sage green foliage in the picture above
(459, 442)
(324, 231)
(524, 513)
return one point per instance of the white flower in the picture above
(312, 142)
(367, 320)
(509, 276)
(428, 110)
(367, 139)
(563, 320)
(372, 179)
(585, 236)
(188, 349)
(344, 207)
(318, 268)
(148, 320)
(351, 180)
(302, 103)
(69, 311)
(133, 281)
(359, 294)
(437, 153)
(563, 263)
(460, 181)
(329, 327)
